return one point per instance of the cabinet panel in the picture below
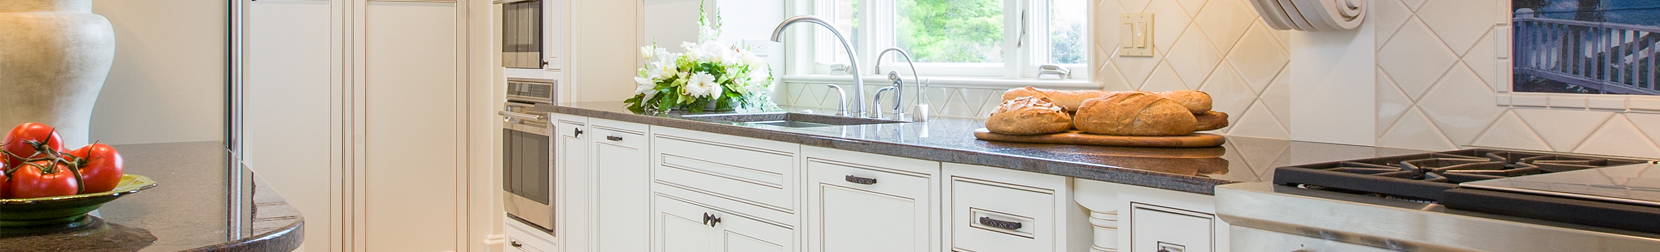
(681, 227)
(867, 208)
(412, 119)
(685, 227)
(995, 209)
(620, 161)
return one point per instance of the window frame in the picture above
(1022, 64)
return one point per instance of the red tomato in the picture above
(23, 139)
(100, 167)
(29, 181)
(3, 182)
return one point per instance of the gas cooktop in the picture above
(1504, 182)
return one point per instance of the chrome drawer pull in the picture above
(613, 138)
(1010, 225)
(860, 180)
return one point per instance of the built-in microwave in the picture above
(527, 152)
(521, 34)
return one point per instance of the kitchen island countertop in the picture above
(947, 139)
(197, 205)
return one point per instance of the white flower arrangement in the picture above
(709, 74)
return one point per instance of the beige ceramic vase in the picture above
(54, 56)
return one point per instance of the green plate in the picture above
(65, 209)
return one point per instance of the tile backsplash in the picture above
(1437, 78)
(1436, 70)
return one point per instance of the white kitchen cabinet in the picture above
(686, 227)
(759, 174)
(867, 202)
(1141, 219)
(620, 162)
(574, 209)
(995, 209)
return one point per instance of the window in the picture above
(984, 38)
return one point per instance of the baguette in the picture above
(1210, 120)
(1030, 115)
(1134, 114)
(1196, 102)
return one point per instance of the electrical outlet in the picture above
(761, 47)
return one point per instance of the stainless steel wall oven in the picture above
(527, 152)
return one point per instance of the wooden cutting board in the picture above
(1080, 138)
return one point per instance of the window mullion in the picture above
(1012, 23)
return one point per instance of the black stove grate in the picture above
(1424, 177)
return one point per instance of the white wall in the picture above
(606, 33)
(168, 80)
(289, 119)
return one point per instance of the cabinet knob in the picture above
(613, 138)
(1010, 225)
(860, 180)
(710, 220)
(578, 132)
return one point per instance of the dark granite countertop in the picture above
(946, 139)
(198, 205)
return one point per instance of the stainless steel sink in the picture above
(789, 119)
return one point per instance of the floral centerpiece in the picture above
(709, 75)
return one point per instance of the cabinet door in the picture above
(575, 207)
(686, 227)
(621, 162)
(862, 207)
(413, 108)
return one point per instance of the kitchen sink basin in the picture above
(790, 119)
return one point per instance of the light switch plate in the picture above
(761, 47)
(1135, 35)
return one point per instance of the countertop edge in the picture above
(1097, 172)
(286, 238)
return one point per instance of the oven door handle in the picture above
(521, 116)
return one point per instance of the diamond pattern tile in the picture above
(1111, 79)
(1224, 21)
(1414, 4)
(1510, 132)
(1414, 131)
(1192, 7)
(1163, 79)
(1131, 6)
(1449, 105)
(1229, 93)
(1192, 57)
(1481, 58)
(1258, 57)
(1387, 16)
(1414, 58)
(1648, 123)
(1563, 129)
(975, 99)
(1391, 103)
(1278, 98)
(1258, 122)
(1136, 69)
(1107, 17)
(1169, 20)
(1619, 137)
(954, 106)
(1459, 23)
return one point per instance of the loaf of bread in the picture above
(1030, 115)
(1196, 101)
(1134, 114)
(1210, 120)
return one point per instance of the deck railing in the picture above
(1612, 57)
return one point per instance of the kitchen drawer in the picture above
(865, 202)
(995, 209)
(1155, 228)
(522, 237)
(752, 171)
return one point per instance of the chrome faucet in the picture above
(876, 102)
(898, 85)
(853, 60)
(841, 100)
